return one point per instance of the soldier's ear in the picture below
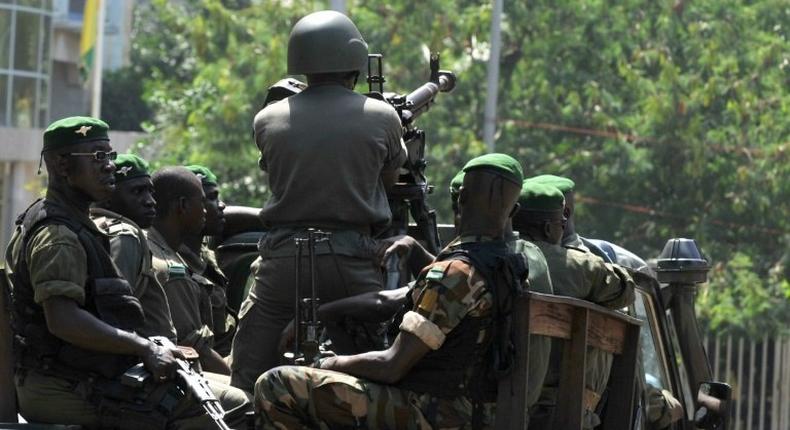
(182, 204)
(547, 229)
(463, 196)
(61, 164)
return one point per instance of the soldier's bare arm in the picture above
(69, 322)
(387, 366)
(211, 361)
(416, 255)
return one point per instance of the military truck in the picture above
(672, 356)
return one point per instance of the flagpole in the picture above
(489, 114)
(98, 61)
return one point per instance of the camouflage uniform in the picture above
(580, 274)
(445, 295)
(206, 272)
(130, 253)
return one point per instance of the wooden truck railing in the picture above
(580, 324)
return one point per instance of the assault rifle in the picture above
(190, 382)
(307, 347)
(410, 192)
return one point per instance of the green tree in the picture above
(672, 117)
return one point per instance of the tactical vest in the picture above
(107, 296)
(462, 366)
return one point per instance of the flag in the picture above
(88, 39)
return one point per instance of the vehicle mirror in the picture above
(713, 399)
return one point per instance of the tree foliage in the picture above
(672, 117)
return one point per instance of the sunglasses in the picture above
(98, 155)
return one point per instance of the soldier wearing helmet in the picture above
(330, 154)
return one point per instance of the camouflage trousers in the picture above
(291, 397)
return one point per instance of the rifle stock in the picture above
(194, 385)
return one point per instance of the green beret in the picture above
(74, 130)
(537, 197)
(455, 184)
(502, 165)
(130, 166)
(562, 183)
(207, 177)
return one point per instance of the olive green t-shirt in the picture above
(189, 303)
(206, 273)
(55, 257)
(131, 255)
(324, 150)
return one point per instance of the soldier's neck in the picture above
(170, 231)
(70, 196)
(485, 229)
(570, 228)
(194, 243)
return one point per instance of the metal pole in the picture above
(98, 63)
(489, 116)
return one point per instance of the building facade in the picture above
(40, 82)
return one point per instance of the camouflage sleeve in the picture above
(127, 255)
(613, 286)
(57, 263)
(446, 292)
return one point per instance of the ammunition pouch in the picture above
(115, 304)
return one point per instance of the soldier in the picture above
(123, 217)
(438, 372)
(539, 281)
(330, 155)
(662, 407)
(574, 273)
(132, 207)
(202, 262)
(567, 188)
(72, 343)
(179, 214)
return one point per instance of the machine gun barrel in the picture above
(418, 101)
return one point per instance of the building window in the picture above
(3, 97)
(5, 37)
(26, 42)
(25, 28)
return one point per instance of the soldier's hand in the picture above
(161, 361)
(673, 405)
(396, 245)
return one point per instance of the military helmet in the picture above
(326, 42)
